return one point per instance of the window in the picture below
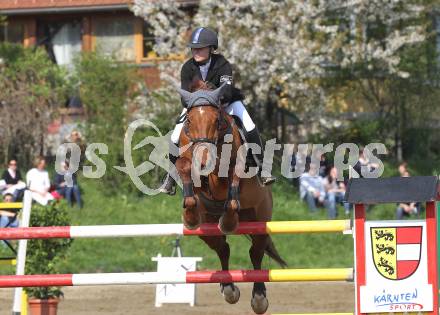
(12, 32)
(61, 39)
(115, 36)
(148, 41)
(67, 42)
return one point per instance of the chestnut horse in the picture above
(225, 199)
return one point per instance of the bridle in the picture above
(221, 117)
(224, 126)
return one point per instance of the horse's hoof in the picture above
(193, 223)
(228, 227)
(259, 303)
(231, 293)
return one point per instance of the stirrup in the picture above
(267, 181)
(170, 186)
(264, 180)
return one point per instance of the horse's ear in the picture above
(186, 96)
(218, 93)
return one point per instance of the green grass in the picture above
(134, 254)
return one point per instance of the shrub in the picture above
(32, 90)
(44, 256)
(113, 95)
(105, 88)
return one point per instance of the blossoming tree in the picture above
(284, 51)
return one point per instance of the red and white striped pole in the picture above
(274, 275)
(132, 230)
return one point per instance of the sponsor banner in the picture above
(417, 298)
(396, 268)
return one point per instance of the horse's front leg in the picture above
(191, 215)
(228, 222)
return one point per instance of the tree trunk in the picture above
(283, 127)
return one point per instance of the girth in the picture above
(213, 207)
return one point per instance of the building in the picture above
(67, 27)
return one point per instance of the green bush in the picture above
(114, 95)
(33, 88)
(106, 86)
(44, 256)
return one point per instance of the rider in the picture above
(209, 66)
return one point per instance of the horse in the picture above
(222, 195)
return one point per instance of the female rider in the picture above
(212, 67)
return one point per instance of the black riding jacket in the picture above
(219, 71)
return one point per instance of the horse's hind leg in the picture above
(259, 301)
(230, 292)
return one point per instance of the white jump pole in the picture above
(22, 247)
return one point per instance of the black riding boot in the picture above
(170, 184)
(253, 136)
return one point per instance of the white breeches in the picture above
(236, 109)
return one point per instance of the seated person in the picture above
(364, 163)
(63, 189)
(335, 192)
(406, 209)
(37, 180)
(403, 169)
(323, 166)
(8, 218)
(311, 188)
(13, 180)
(59, 182)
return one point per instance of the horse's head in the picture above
(206, 122)
(204, 112)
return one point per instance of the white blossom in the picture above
(282, 49)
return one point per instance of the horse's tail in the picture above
(272, 252)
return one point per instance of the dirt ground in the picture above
(306, 297)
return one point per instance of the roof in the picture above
(10, 7)
(392, 189)
(17, 7)
(39, 4)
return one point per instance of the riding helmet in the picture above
(203, 37)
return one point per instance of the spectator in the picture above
(403, 168)
(63, 189)
(323, 166)
(311, 188)
(76, 137)
(8, 218)
(364, 162)
(335, 192)
(38, 182)
(59, 182)
(408, 208)
(13, 180)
